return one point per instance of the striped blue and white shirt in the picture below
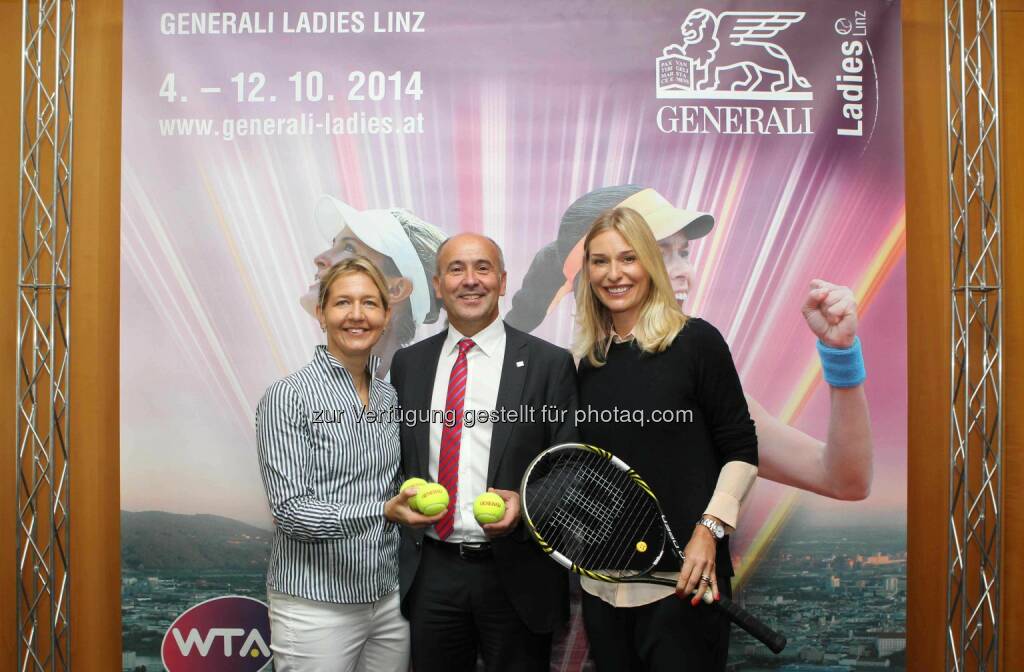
(328, 468)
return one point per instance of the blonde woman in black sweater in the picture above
(641, 357)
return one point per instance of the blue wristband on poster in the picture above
(842, 367)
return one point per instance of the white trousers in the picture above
(311, 636)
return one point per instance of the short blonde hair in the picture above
(660, 317)
(356, 264)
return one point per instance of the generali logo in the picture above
(732, 56)
(733, 76)
(225, 634)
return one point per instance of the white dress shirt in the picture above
(483, 374)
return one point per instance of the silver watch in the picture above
(717, 529)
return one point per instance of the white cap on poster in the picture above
(382, 232)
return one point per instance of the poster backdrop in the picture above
(781, 119)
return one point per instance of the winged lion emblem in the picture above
(737, 47)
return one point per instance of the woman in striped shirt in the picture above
(329, 456)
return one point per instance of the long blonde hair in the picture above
(660, 317)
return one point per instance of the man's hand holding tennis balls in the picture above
(509, 520)
(400, 508)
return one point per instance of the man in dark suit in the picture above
(467, 588)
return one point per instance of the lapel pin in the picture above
(520, 364)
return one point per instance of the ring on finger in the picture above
(704, 578)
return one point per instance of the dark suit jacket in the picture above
(537, 586)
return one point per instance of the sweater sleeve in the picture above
(722, 401)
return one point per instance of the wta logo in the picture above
(225, 634)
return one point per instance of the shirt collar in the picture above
(487, 340)
(615, 338)
(324, 356)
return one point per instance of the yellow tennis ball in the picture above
(488, 508)
(412, 483)
(432, 499)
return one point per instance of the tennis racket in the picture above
(590, 512)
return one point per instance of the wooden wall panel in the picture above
(1011, 26)
(95, 544)
(928, 310)
(95, 494)
(10, 85)
(928, 307)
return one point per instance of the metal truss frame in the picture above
(976, 339)
(44, 291)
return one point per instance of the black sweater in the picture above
(680, 458)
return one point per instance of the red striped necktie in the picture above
(451, 439)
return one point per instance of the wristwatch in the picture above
(716, 528)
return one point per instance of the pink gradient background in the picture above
(527, 107)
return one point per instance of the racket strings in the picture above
(591, 511)
(576, 522)
(593, 520)
(640, 534)
(639, 537)
(636, 516)
(547, 483)
(598, 555)
(561, 497)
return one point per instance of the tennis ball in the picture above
(488, 508)
(413, 483)
(432, 499)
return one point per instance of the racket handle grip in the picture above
(743, 618)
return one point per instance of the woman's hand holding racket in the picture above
(698, 562)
